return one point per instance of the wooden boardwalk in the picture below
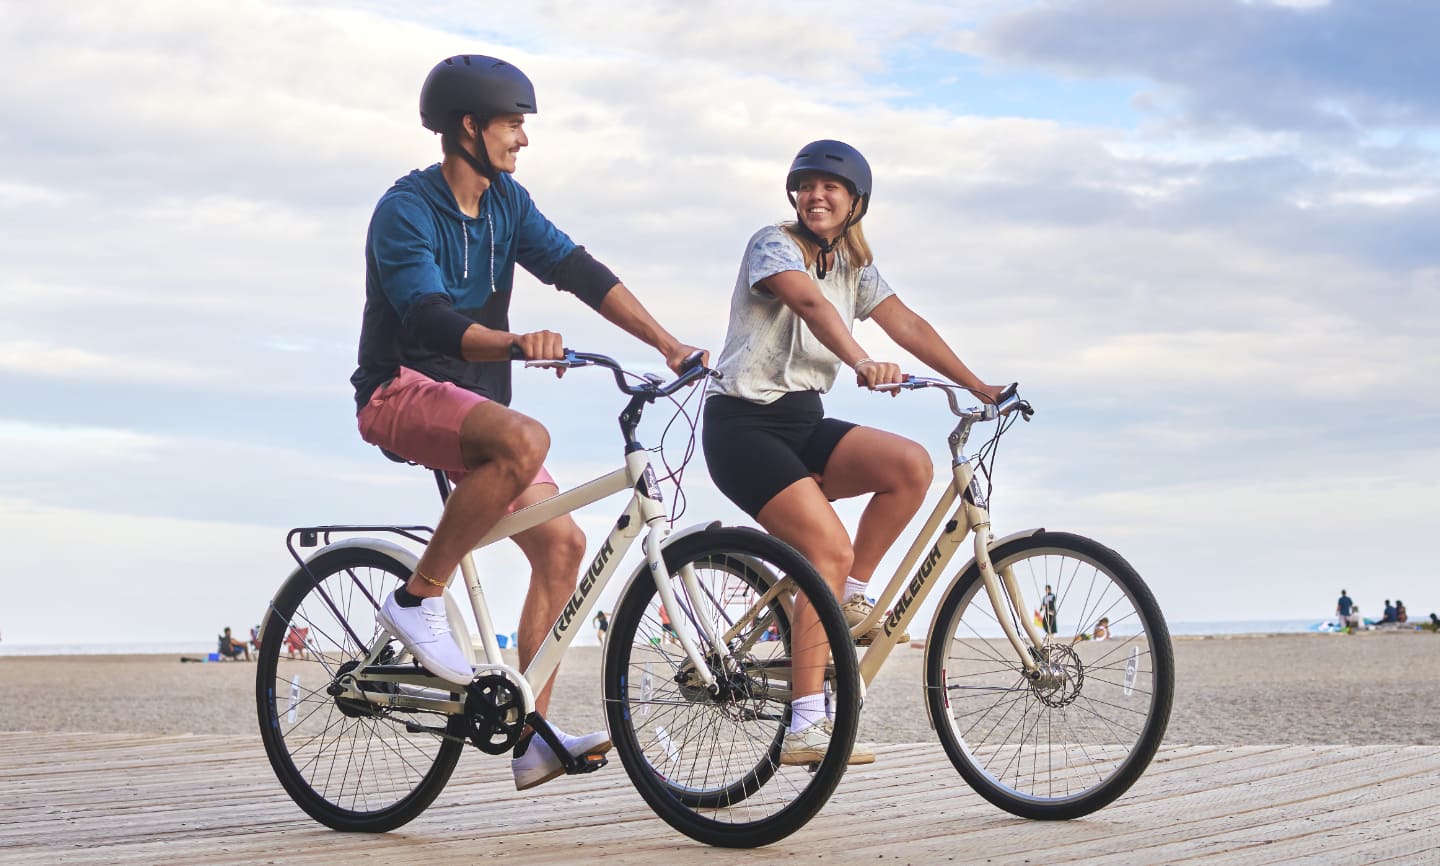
(131, 799)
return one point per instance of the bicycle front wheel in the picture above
(351, 765)
(708, 760)
(1071, 741)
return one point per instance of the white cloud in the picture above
(20, 194)
(127, 579)
(30, 444)
(1195, 307)
(34, 358)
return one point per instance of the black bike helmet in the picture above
(839, 159)
(473, 84)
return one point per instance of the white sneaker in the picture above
(425, 631)
(809, 746)
(856, 608)
(539, 764)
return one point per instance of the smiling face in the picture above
(502, 138)
(823, 202)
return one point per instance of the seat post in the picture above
(442, 482)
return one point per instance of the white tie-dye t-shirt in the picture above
(769, 350)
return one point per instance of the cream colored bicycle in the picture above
(363, 739)
(1048, 711)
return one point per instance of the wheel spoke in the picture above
(1072, 739)
(350, 764)
(708, 760)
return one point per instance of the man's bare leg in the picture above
(555, 550)
(504, 451)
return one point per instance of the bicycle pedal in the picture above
(588, 763)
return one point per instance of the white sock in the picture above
(806, 711)
(853, 586)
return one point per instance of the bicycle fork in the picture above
(1004, 592)
(655, 560)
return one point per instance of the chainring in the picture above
(494, 713)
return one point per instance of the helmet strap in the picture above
(481, 164)
(826, 247)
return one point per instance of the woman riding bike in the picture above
(768, 444)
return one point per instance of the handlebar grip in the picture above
(1010, 401)
(516, 353)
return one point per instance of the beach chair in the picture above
(295, 641)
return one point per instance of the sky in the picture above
(1204, 236)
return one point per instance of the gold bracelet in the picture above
(420, 574)
(862, 362)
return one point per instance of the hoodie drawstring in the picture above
(465, 270)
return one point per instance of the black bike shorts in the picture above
(756, 450)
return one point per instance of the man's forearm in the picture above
(480, 343)
(625, 311)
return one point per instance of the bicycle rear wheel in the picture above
(1070, 743)
(707, 763)
(349, 764)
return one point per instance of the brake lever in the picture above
(909, 383)
(565, 363)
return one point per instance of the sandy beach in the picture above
(1367, 689)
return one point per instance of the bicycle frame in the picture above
(643, 512)
(970, 515)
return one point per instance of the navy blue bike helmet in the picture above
(839, 159)
(473, 84)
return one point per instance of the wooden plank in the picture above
(129, 799)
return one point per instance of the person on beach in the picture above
(1100, 632)
(232, 648)
(1048, 610)
(1343, 608)
(1389, 615)
(1401, 615)
(769, 447)
(433, 381)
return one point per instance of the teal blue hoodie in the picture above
(420, 243)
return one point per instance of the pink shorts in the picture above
(418, 418)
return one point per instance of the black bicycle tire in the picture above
(313, 802)
(764, 770)
(740, 542)
(1162, 697)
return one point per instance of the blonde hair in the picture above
(853, 249)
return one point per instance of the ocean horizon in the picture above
(201, 649)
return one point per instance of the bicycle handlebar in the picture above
(652, 387)
(1009, 398)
